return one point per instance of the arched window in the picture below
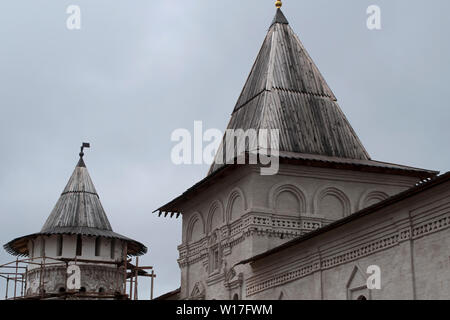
(42, 247)
(236, 296)
(98, 243)
(79, 249)
(362, 297)
(215, 261)
(113, 248)
(59, 245)
(32, 248)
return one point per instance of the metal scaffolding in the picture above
(15, 274)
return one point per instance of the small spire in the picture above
(278, 4)
(81, 162)
(279, 18)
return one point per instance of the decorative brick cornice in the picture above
(250, 224)
(330, 260)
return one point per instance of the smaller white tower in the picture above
(76, 254)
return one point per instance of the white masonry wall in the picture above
(69, 248)
(95, 277)
(244, 214)
(409, 242)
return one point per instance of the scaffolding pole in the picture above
(136, 279)
(19, 271)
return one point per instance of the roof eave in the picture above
(174, 207)
(19, 246)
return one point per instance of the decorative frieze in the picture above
(282, 278)
(248, 225)
(329, 260)
(431, 226)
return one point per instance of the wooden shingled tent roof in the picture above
(77, 212)
(286, 91)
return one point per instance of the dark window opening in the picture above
(62, 290)
(82, 289)
(101, 290)
(79, 245)
(216, 259)
(362, 298)
(59, 246)
(236, 296)
(98, 243)
(42, 247)
(113, 247)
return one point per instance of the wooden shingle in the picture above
(286, 91)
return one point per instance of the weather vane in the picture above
(278, 4)
(84, 145)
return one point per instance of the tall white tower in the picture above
(322, 173)
(76, 254)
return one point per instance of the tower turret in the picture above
(77, 233)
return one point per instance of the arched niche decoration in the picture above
(287, 199)
(332, 203)
(215, 216)
(198, 292)
(195, 228)
(236, 202)
(371, 197)
(357, 285)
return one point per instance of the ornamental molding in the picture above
(234, 194)
(216, 205)
(370, 195)
(251, 224)
(296, 190)
(196, 217)
(330, 190)
(290, 271)
(215, 278)
(198, 293)
(344, 175)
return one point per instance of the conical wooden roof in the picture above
(78, 211)
(79, 204)
(286, 91)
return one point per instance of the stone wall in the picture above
(245, 214)
(100, 276)
(409, 241)
(95, 279)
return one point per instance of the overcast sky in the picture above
(137, 70)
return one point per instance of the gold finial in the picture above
(278, 4)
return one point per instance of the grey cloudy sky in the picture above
(139, 69)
